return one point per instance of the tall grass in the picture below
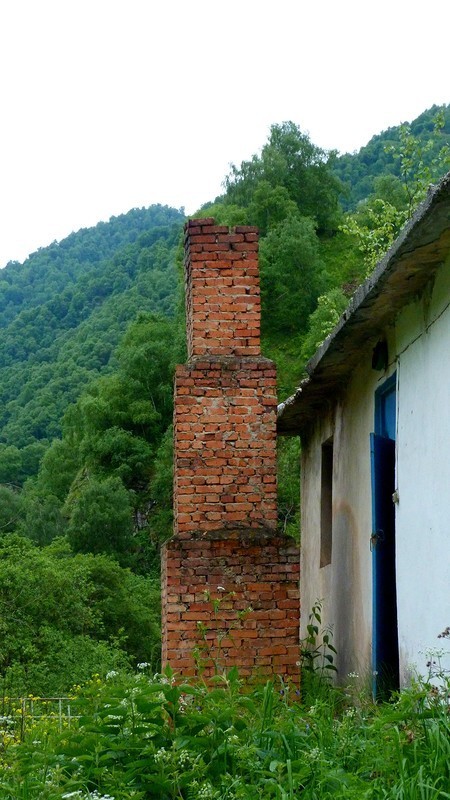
(150, 737)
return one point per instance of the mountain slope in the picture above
(65, 309)
(358, 171)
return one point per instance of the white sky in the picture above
(112, 104)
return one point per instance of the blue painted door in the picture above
(385, 634)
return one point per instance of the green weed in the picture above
(145, 737)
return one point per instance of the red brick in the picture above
(225, 471)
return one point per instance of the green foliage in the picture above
(60, 335)
(50, 272)
(420, 161)
(291, 276)
(330, 306)
(374, 227)
(270, 206)
(359, 171)
(289, 161)
(64, 616)
(317, 652)
(111, 471)
(160, 518)
(100, 518)
(41, 518)
(10, 509)
(288, 473)
(379, 219)
(142, 737)
(59, 467)
(121, 418)
(17, 464)
(225, 213)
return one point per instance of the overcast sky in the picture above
(113, 104)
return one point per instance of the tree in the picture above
(100, 517)
(330, 306)
(290, 160)
(63, 617)
(291, 275)
(378, 221)
(11, 507)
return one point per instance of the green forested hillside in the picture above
(66, 307)
(91, 330)
(64, 312)
(51, 270)
(359, 171)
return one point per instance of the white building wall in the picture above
(419, 348)
(345, 585)
(423, 477)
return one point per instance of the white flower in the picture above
(206, 792)
(161, 755)
(96, 796)
(184, 758)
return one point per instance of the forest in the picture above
(92, 328)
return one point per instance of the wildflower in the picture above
(111, 674)
(184, 759)
(206, 792)
(353, 675)
(161, 755)
(143, 665)
(314, 754)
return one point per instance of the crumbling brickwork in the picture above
(225, 546)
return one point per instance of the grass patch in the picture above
(147, 736)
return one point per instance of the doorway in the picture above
(385, 660)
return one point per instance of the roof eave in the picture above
(398, 277)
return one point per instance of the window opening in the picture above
(326, 503)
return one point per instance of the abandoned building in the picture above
(374, 420)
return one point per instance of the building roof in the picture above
(413, 259)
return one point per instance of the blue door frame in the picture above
(385, 665)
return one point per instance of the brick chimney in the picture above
(225, 556)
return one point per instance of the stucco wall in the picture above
(345, 585)
(423, 470)
(419, 349)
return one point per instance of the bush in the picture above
(153, 737)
